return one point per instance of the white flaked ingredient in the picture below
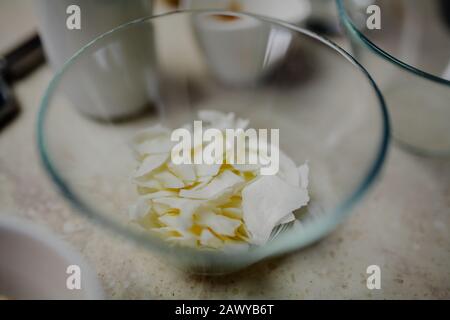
(186, 207)
(159, 194)
(224, 182)
(205, 170)
(172, 221)
(218, 223)
(266, 202)
(304, 174)
(151, 184)
(151, 163)
(226, 206)
(208, 239)
(139, 210)
(169, 180)
(287, 219)
(185, 172)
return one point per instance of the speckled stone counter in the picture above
(403, 225)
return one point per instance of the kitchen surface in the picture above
(402, 225)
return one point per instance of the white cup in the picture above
(241, 50)
(97, 87)
(292, 11)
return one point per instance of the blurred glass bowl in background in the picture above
(327, 109)
(409, 57)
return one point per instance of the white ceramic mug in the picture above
(292, 11)
(239, 51)
(98, 89)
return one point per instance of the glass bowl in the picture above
(409, 58)
(328, 111)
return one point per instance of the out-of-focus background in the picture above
(403, 225)
(11, 11)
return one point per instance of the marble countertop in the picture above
(403, 226)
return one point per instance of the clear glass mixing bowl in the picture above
(326, 106)
(409, 58)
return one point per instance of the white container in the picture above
(99, 89)
(33, 265)
(292, 11)
(225, 42)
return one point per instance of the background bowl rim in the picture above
(347, 21)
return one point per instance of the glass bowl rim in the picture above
(345, 18)
(336, 215)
